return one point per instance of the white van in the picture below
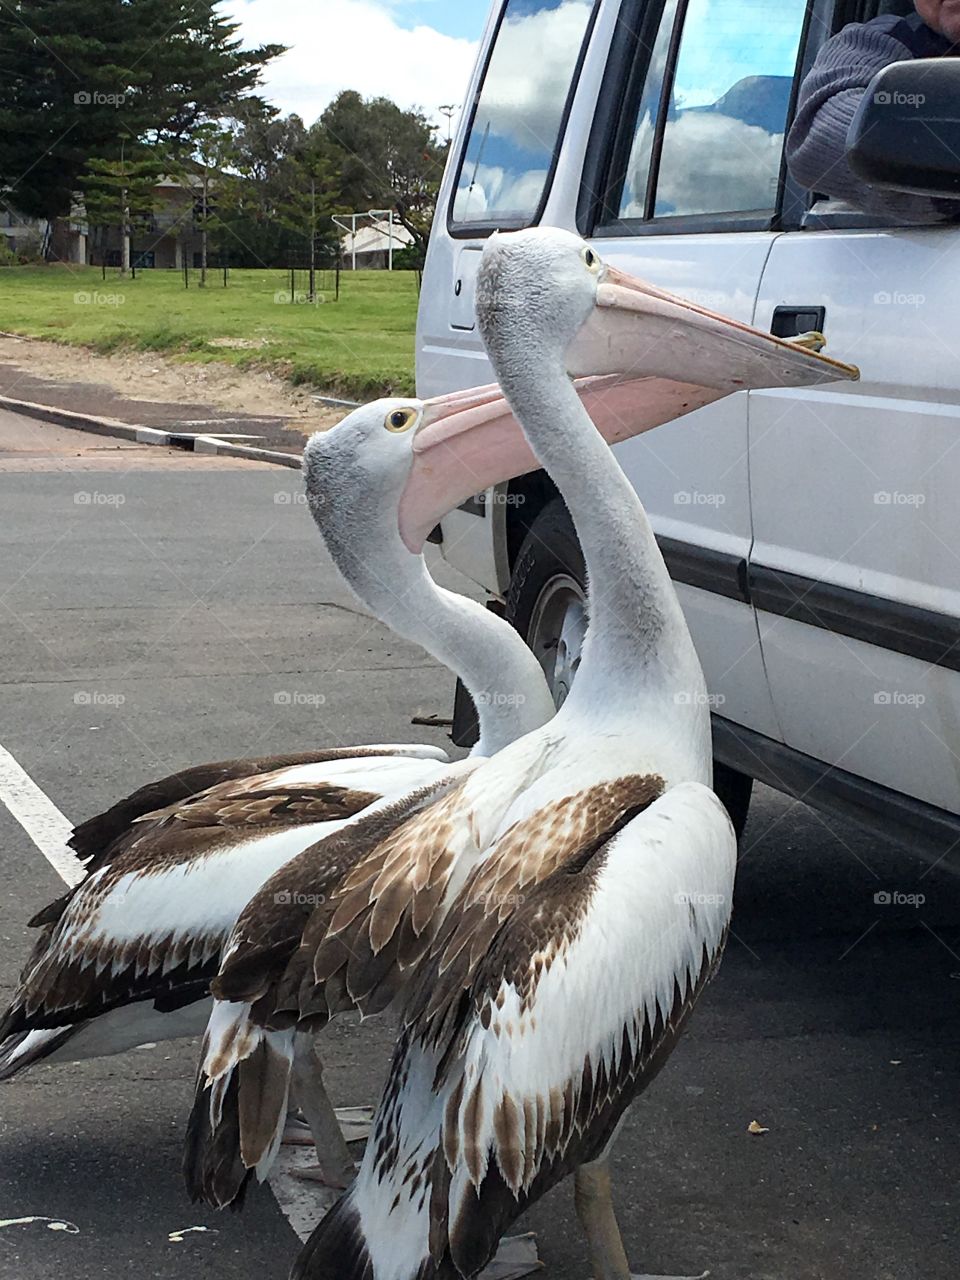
(812, 534)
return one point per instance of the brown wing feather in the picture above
(390, 899)
(76, 984)
(74, 975)
(539, 1140)
(244, 800)
(568, 1141)
(269, 931)
(91, 840)
(566, 835)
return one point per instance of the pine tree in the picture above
(121, 193)
(79, 75)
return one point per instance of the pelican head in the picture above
(387, 472)
(544, 294)
(396, 466)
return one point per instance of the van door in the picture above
(686, 197)
(855, 568)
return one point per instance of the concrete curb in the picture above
(331, 402)
(189, 441)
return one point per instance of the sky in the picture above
(417, 52)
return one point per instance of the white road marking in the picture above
(40, 818)
(52, 1224)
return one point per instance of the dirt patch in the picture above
(242, 344)
(157, 379)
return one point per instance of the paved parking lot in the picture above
(152, 607)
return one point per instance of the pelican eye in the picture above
(400, 419)
(591, 259)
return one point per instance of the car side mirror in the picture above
(906, 133)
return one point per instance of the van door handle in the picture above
(789, 322)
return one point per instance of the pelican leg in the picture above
(334, 1167)
(355, 1125)
(594, 1204)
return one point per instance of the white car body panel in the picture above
(784, 481)
(858, 487)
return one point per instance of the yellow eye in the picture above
(591, 259)
(400, 419)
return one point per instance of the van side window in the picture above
(723, 95)
(516, 124)
(633, 201)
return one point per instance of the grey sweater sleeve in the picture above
(829, 97)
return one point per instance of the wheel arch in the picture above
(526, 498)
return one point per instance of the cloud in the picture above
(352, 44)
(520, 109)
(530, 74)
(713, 163)
(507, 194)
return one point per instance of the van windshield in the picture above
(516, 125)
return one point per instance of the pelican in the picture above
(126, 956)
(377, 483)
(566, 904)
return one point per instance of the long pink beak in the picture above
(651, 357)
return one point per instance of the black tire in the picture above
(549, 553)
(551, 550)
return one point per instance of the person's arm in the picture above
(829, 97)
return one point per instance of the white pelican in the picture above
(127, 955)
(570, 899)
(377, 483)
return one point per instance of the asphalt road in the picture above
(196, 591)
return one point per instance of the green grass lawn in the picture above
(360, 346)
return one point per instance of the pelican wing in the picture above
(92, 840)
(269, 929)
(99, 839)
(388, 913)
(498, 1090)
(240, 1100)
(151, 921)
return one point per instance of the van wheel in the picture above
(547, 599)
(547, 603)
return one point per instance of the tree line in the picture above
(104, 99)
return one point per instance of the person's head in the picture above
(942, 16)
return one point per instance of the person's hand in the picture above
(942, 16)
